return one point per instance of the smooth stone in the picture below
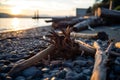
(39, 74)
(5, 68)
(67, 64)
(117, 61)
(61, 74)
(46, 70)
(3, 76)
(77, 69)
(117, 69)
(13, 52)
(81, 76)
(54, 71)
(79, 62)
(87, 71)
(32, 71)
(8, 78)
(20, 78)
(99, 41)
(112, 76)
(14, 56)
(46, 75)
(1, 64)
(118, 50)
(67, 69)
(71, 73)
(70, 78)
(53, 78)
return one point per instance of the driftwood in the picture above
(59, 44)
(117, 45)
(92, 21)
(66, 23)
(57, 19)
(101, 58)
(111, 16)
(86, 47)
(31, 61)
(98, 35)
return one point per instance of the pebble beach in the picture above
(20, 45)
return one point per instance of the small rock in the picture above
(117, 61)
(30, 71)
(80, 76)
(67, 69)
(61, 74)
(70, 73)
(46, 70)
(118, 50)
(8, 78)
(99, 41)
(77, 69)
(5, 68)
(67, 64)
(53, 78)
(117, 69)
(13, 52)
(87, 71)
(70, 78)
(20, 78)
(79, 62)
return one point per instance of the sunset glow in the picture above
(16, 11)
(53, 7)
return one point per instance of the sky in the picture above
(45, 7)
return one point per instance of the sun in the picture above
(16, 11)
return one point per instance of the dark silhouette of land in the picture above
(6, 15)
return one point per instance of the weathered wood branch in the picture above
(99, 35)
(66, 23)
(101, 57)
(31, 61)
(90, 49)
(86, 47)
(92, 21)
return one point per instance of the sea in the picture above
(14, 24)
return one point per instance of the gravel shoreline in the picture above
(20, 45)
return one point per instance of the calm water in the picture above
(13, 24)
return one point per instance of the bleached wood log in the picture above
(101, 57)
(92, 21)
(31, 61)
(99, 35)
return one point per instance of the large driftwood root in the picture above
(101, 58)
(66, 47)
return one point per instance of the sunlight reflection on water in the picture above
(13, 24)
